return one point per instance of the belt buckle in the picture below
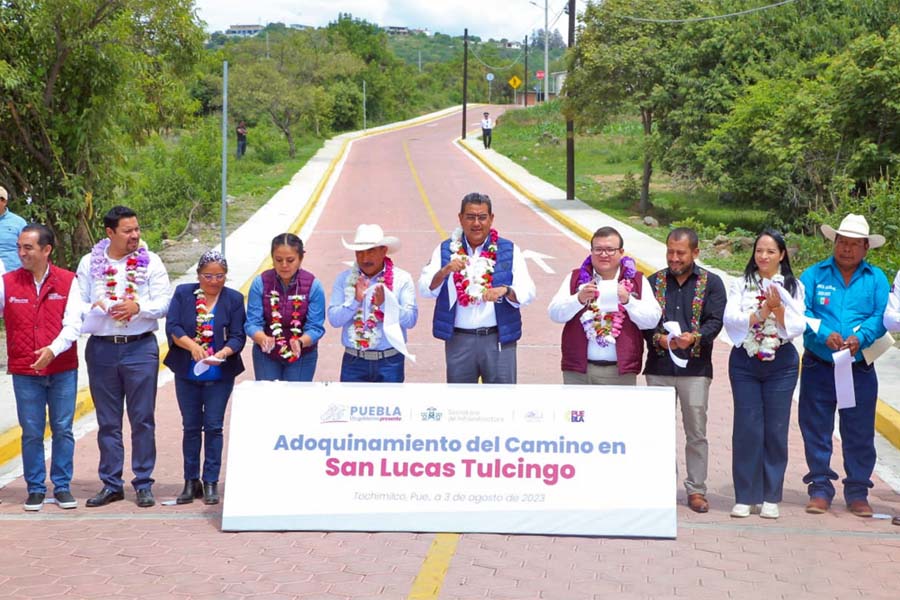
(482, 331)
(120, 339)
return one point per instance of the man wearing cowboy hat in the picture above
(374, 303)
(847, 295)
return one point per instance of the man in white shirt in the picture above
(487, 125)
(480, 282)
(42, 310)
(604, 305)
(127, 289)
(374, 303)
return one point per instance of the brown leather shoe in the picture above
(860, 508)
(698, 503)
(896, 520)
(817, 505)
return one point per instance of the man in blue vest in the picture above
(480, 281)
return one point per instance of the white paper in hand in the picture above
(608, 299)
(203, 366)
(674, 330)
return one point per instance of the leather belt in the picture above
(123, 339)
(479, 331)
(602, 363)
(372, 354)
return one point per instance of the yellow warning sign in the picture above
(515, 82)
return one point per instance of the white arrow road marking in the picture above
(538, 259)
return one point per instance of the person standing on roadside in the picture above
(127, 289)
(603, 347)
(695, 299)
(241, 131)
(42, 309)
(765, 311)
(11, 226)
(847, 297)
(480, 282)
(892, 323)
(373, 324)
(487, 126)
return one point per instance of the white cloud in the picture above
(512, 19)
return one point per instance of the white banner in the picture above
(551, 459)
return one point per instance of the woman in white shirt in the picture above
(765, 310)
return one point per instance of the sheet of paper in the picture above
(203, 366)
(879, 347)
(94, 320)
(674, 330)
(608, 299)
(813, 324)
(843, 379)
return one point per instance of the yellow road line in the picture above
(430, 579)
(423, 195)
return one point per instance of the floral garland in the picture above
(365, 326)
(605, 327)
(762, 340)
(104, 273)
(696, 306)
(204, 331)
(472, 281)
(282, 344)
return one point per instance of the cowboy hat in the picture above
(854, 226)
(371, 236)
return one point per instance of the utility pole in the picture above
(465, 77)
(224, 210)
(364, 105)
(570, 124)
(525, 83)
(546, 50)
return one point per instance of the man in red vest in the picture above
(604, 305)
(42, 309)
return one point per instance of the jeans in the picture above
(385, 370)
(36, 395)
(816, 415)
(202, 405)
(241, 148)
(762, 391)
(267, 369)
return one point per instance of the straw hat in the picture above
(854, 226)
(371, 236)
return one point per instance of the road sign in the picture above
(515, 82)
(539, 74)
(489, 76)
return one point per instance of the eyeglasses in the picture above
(605, 251)
(481, 218)
(213, 276)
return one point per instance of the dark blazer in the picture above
(228, 329)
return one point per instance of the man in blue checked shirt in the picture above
(849, 296)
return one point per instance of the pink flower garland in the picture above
(597, 325)
(364, 327)
(463, 282)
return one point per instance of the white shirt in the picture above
(341, 311)
(743, 302)
(71, 317)
(479, 314)
(487, 123)
(644, 312)
(892, 311)
(153, 295)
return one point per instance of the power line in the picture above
(509, 66)
(711, 18)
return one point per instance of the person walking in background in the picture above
(603, 347)
(695, 299)
(241, 131)
(480, 281)
(487, 126)
(11, 226)
(847, 296)
(892, 323)
(206, 326)
(373, 324)
(42, 309)
(285, 315)
(765, 311)
(127, 288)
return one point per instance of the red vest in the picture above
(33, 321)
(629, 344)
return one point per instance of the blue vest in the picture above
(509, 320)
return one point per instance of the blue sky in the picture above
(512, 19)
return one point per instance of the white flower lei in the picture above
(478, 270)
(364, 330)
(762, 340)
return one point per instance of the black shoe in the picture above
(65, 499)
(145, 498)
(210, 493)
(192, 489)
(34, 502)
(104, 497)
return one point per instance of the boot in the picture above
(192, 489)
(210, 493)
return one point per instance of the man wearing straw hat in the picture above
(845, 302)
(374, 303)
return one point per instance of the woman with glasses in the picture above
(206, 326)
(285, 315)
